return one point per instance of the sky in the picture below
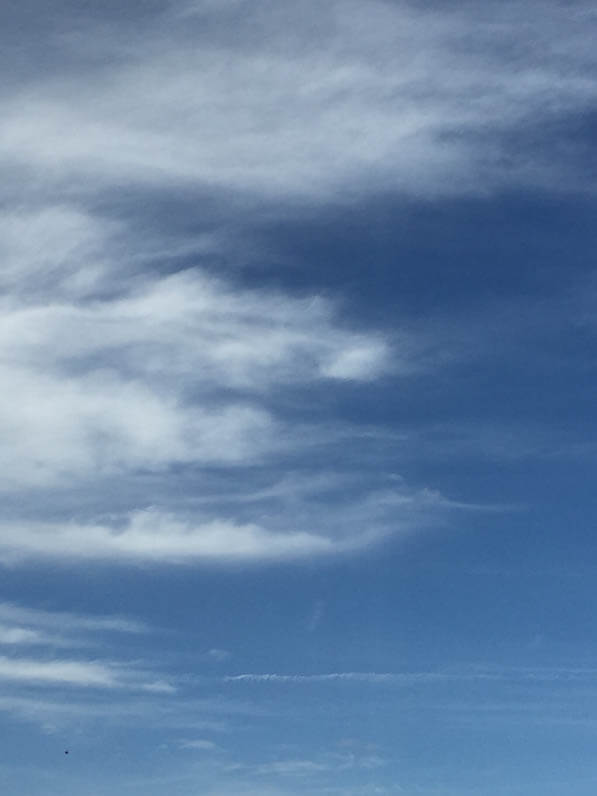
(298, 369)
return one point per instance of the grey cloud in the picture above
(279, 100)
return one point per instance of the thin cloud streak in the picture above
(494, 674)
(356, 677)
(61, 620)
(80, 673)
(74, 673)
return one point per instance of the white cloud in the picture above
(76, 673)
(153, 536)
(146, 375)
(59, 428)
(218, 655)
(290, 767)
(137, 381)
(43, 621)
(473, 673)
(44, 671)
(311, 101)
(197, 328)
(20, 635)
(360, 361)
(159, 687)
(296, 528)
(118, 706)
(374, 678)
(53, 247)
(330, 763)
(316, 616)
(42, 632)
(361, 677)
(115, 371)
(26, 627)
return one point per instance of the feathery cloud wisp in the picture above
(279, 101)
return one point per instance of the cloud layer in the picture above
(120, 377)
(156, 410)
(270, 98)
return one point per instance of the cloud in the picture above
(488, 674)
(43, 624)
(277, 101)
(75, 673)
(358, 677)
(21, 635)
(159, 687)
(327, 764)
(201, 744)
(45, 671)
(118, 707)
(52, 249)
(26, 627)
(155, 412)
(198, 328)
(290, 767)
(43, 631)
(117, 378)
(218, 655)
(294, 531)
(184, 375)
(153, 536)
(316, 616)
(138, 380)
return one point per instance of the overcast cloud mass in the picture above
(297, 340)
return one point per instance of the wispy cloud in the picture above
(356, 677)
(316, 616)
(470, 674)
(200, 744)
(129, 361)
(117, 376)
(112, 377)
(46, 671)
(42, 632)
(153, 535)
(278, 101)
(37, 619)
(305, 769)
(77, 673)
(49, 708)
(218, 655)
(27, 627)
(192, 378)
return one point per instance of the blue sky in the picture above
(297, 419)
